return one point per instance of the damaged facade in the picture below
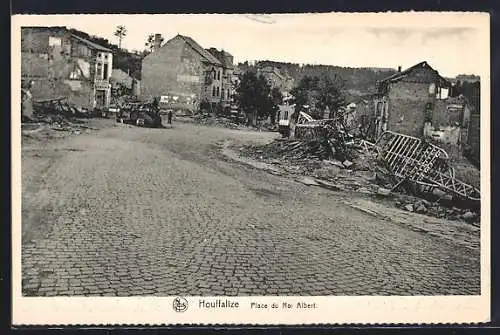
(276, 79)
(188, 76)
(58, 63)
(120, 77)
(416, 102)
(408, 99)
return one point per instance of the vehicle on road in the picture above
(141, 114)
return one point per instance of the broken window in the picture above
(53, 41)
(432, 89)
(105, 71)
(76, 73)
(428, 112)
(99, 71)
(222, 93)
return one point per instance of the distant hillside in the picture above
(358, 81)
(122, 59)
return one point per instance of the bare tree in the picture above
(120, 32)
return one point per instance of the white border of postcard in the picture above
(322, 309)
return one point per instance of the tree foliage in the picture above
(120, 32)
(150, 42)
(358, 79)
(255, 97)
(330, 94)
(320, 94)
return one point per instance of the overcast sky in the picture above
(451, 43)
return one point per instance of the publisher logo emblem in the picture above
(180, 304)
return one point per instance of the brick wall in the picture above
(407, 103)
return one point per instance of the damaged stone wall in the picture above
(53, 82)
(450, 121)
(78, 93)
(407, 106)
(49, 61)
(449, 113)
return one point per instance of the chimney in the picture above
(157, 42)
(399, 68)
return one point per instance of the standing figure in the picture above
(169, 117)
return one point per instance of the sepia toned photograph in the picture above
(275, 155)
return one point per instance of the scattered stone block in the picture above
(421, 209)
(469, 216)
(383, 191)
(308, 181)
(409, 207)
(347, 163)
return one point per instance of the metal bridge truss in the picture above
(421, 162)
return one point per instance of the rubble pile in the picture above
(317, 158)
(52, 110)
(54, 115)
(296, 150)
(348, 166)
(435, 209)
(216, 122)
(56, 112)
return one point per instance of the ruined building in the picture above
(277, 79)
(187, 76)
(59, 63)
(406, 100)
(417, 102)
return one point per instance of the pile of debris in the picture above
(289, 149)
(51, 110)
(215, 122)
(52, 115)
(435, 209)
(401, 167)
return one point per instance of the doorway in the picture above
(100, 98)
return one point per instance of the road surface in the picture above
(134, 211)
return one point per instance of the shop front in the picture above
(102, 95)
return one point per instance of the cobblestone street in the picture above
(136, 211)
